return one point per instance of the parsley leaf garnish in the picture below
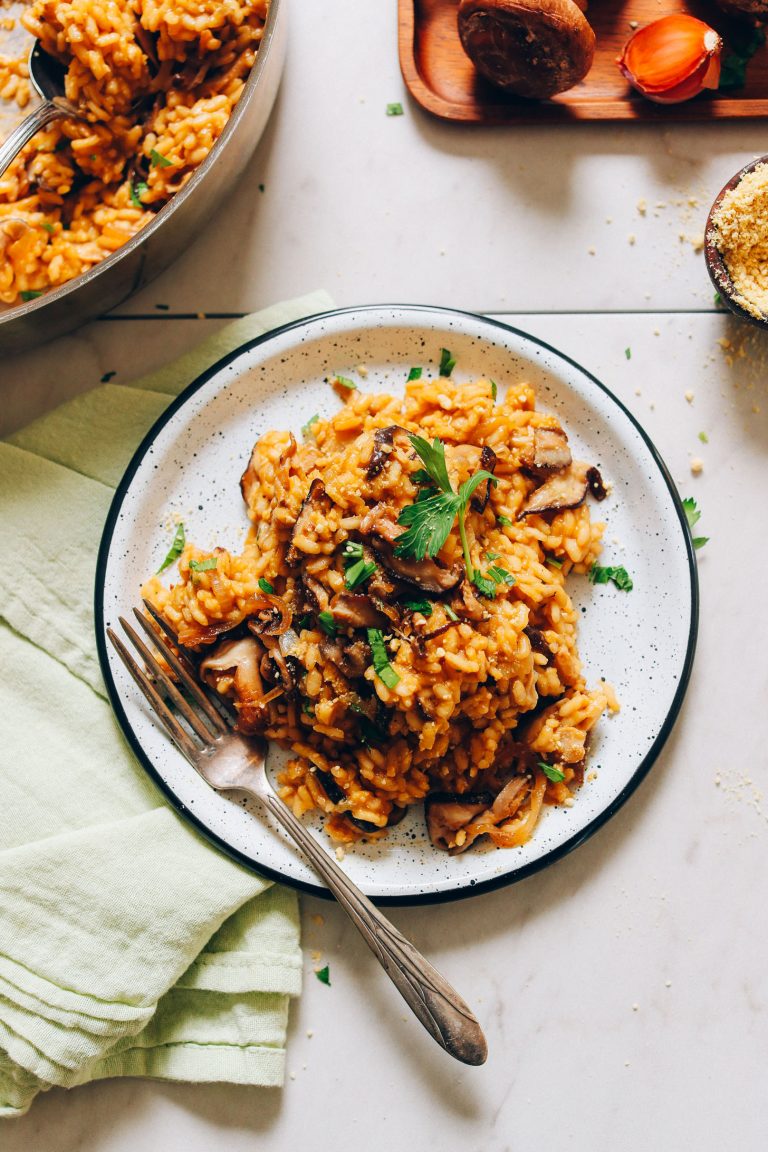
(323, 975)
(266, 586)
(395, 109)
(306, 429)
(551, 773)
(344, 382)
(628, 353)
(304, 622)
(504, 521)
(447, 362)
(204, 565)
(176, 549)
(381, 664)
(485, 586)
(351, 552)
(433, 457)
(48, 227)
(327, 623)
(554, 561)
(602, 575)
(450, 612)
(494, 390)
(422, 606)
(414, 374)
(30, 294)
(692, 516)
(358, 573)
(136, 192)
(158, 160)
(501, 576)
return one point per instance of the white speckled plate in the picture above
(642, 642)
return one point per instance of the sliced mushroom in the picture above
(483, 493)
(273, 619)
(317, 594)
(550, 452)
(351, 659)
(565, 489)
(596, 485)
(467, 604)
(332, 790)
(316, 505)
(355, 610)
(395, 816)
(233, 670)
(380, 527)
(448, 813)
(383, 443)
(538, 643)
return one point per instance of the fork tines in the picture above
(206, 723)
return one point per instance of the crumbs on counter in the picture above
(697, 466)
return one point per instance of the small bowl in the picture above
(716, 266)
(175, 226)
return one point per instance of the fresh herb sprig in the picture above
(599, 574)
(381, 664)
(206, 565)
(176, 548)
(692, 516)
(551, 773)
(428, 522)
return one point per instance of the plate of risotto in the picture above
(438, 566)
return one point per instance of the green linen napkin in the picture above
(128, 946)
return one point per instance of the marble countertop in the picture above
(624, 991)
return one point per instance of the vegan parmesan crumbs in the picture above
(740, 227)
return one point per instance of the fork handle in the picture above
(429, 995)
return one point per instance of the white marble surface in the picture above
(624, 991)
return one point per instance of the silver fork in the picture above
(229, 761)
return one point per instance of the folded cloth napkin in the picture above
(128, 946)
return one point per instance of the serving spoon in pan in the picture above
(47, 79)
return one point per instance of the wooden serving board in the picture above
(441, 77)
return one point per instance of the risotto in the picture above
(156, 82)
(399, 619)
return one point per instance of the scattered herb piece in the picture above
(628, 353)
(718, 300)
(261, 187)
(323, 975)
(485, 586)
(414, 374)
(703, 437)
(136, 192)
(163, 307)
(345, 382)
(602, 575)
(204, 565)
(395, 109)
(553, 560)
(351, 552)
(422, 606)
(61, 144)
(306, 429)
(494, 389)
(370, 732)
(30, 294)
(308, 707)
(447, 362)
(266, 586)
(504, 521)
(492, 555)
(501, 576)
(381, 664)
(551, 773)
(358, 573)
(432, 455)
(327, 623)
(48, 227)
(157, 159)
(733, 72)
(94, 156)
(107, 377)
(450, 612)
(304, 621)
(179, 540)
(692, 516)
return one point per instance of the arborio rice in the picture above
(407, 638)
(157, 82)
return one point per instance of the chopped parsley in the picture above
(307, 429)
(423, 606)
(485, 586)
(487, 583)
(157, 159)
(447, 362)
(551, 773)
(450, 612)
(494, 389)
(163, 307)
(501, 576)
(414, 374)
(381, 664)
(351, 552)
(327, 623)
(504, 521)
(358, 573)
(48, 227)
(703, 437)
(370, 732)
(692, 516)
(323, 975)
(345, 382)
(266, 586)
(177, 546)
(107, 377)
(395, 109)
(137, 191)
(304, 621)
(718, 300)
(628, 353)
(435, 470)
(204, 565)
(30, 294)
(553, 560)
(261, 187)
(619, 576)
